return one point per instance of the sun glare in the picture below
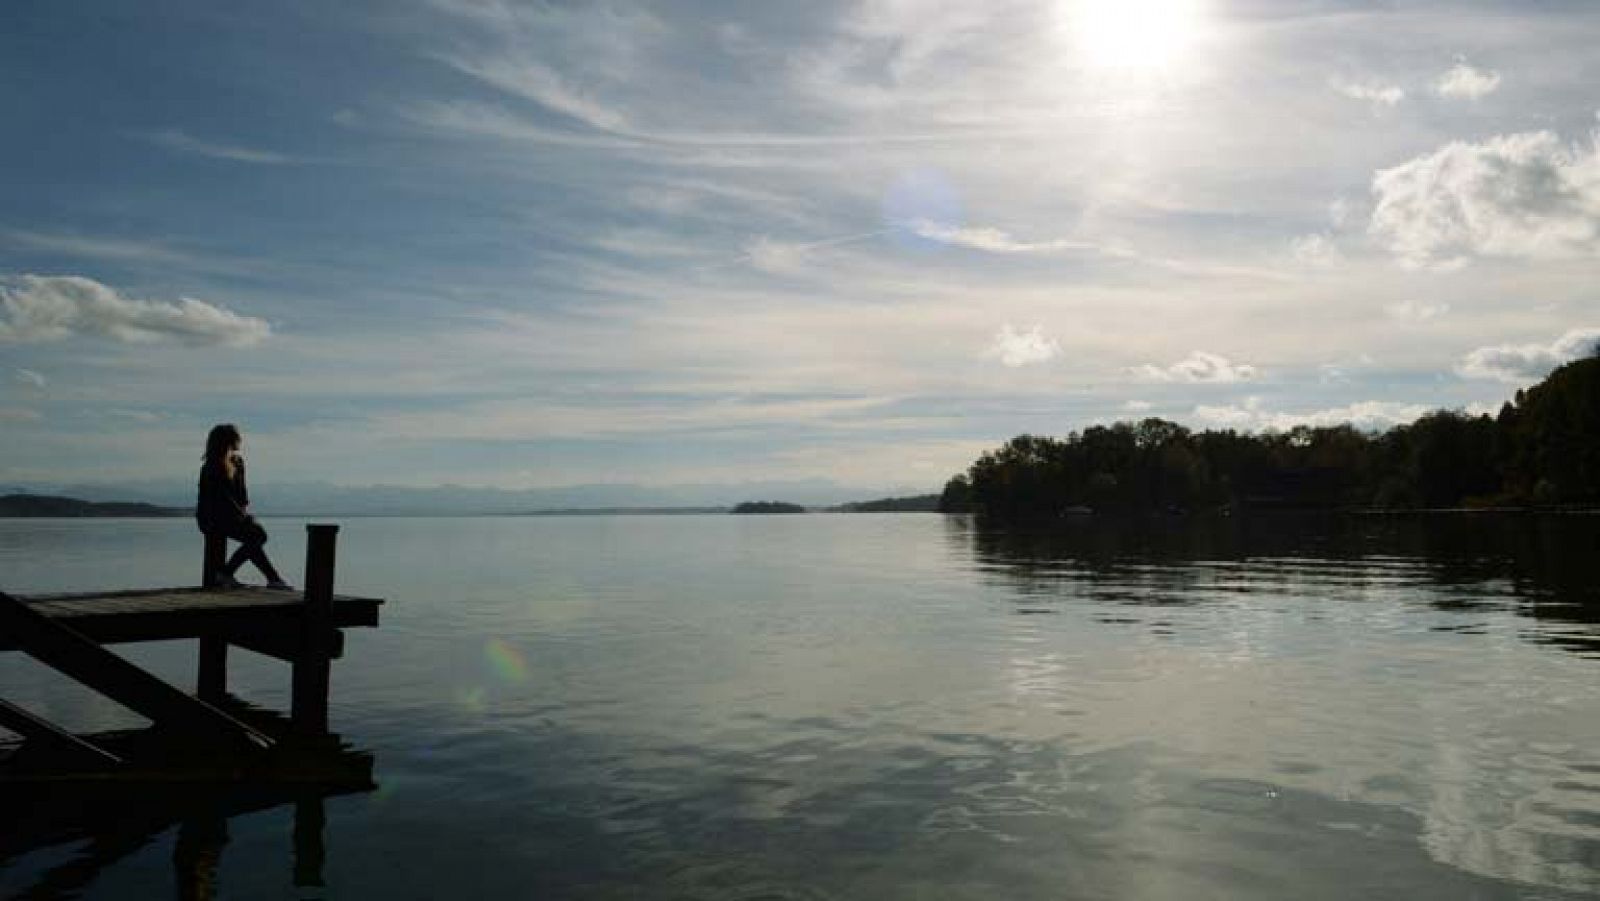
(1133, 34)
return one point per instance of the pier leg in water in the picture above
(309, 715)
(309, 852)
(197, 855)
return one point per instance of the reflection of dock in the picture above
(116, 820)
(202, 737)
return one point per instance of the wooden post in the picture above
(212, 682)
(216, 557)
(309, 712)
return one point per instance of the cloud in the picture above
(1524, 195)
(19, 414)
(776, 257)
(1369, 90)
(991, 240)
(1253, 415)
(541, 84)
(96, 248)
(176, 139)
(29, 377)
(1016, 349)
(1199, 367)
(1466, 82)
(49, 308)
(1317, 251)
(1518, 363)
(1138, 406)
(1416, 310)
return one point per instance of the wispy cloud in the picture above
(1015, 349)
(30, 378)
(1467, 82)
(49, 308)
(1368, 90)
(1526, 195)
(95, 247)
(1415, 311)
(1317, 251)
(183, 142)
(990, 240)
(1199, 367)
(1521, 363)
(19, 414)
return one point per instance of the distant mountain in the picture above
(921, 503)
(269, 498)
(43, 505)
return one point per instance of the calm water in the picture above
(901, 706)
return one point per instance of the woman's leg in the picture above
(251, 538)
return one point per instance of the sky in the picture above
(525, 245)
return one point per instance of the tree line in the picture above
(1543, 449)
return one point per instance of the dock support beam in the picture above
(212, 683)
(309, 712)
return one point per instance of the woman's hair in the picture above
(223, 438)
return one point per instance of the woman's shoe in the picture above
(280, 585)
(225, 580)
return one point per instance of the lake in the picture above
(882, 706)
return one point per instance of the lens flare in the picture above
(506, 661)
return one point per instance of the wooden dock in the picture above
(200, 736)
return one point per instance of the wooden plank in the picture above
(81, 659)
(191, 621)
(57, 739)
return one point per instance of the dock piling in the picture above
(312, 670)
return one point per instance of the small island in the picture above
(767, 507)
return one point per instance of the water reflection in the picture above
(66, 837)
(1542, 567)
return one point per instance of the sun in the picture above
(1133, 34)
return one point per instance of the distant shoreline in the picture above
(44, 506)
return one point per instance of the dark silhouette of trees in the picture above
(1542, 449)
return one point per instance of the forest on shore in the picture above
(1542, 449)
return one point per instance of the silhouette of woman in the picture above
(224, 508)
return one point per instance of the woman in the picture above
(224, 508)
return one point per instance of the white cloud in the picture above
(1339, 212)
(1416, 310)
(1016, 349)
(776, 257)
(1528, 362)
(1199, 367)
(29, 377)
(1317, 251)
(48, 308)
(1138, 406)
(1370, 90)
(1467, 82)
(1521, 195)
(1252, 414)
(991, 240)
(176, 139)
